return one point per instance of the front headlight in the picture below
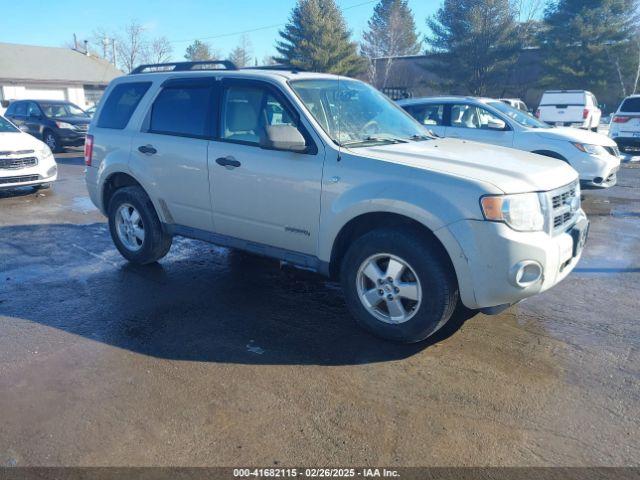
(522, 212)
(590, 149)
(65, 125)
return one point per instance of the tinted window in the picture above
(121, 104)
(427, 114)
(631, 105)
(33, 110)
(181, 111)
(61, 110)
(19, 109)
(247, 110)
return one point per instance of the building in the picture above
(51, 73)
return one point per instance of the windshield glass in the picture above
(523, 118)
(59, 110)
(6, 126)
(355, 114)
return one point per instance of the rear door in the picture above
(475, 123)
(17, 112)
(431, 115)
(171, 149)
(270, 197)
(33, 120)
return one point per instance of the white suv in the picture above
(326, 173)
(625, 125)
(24, 160)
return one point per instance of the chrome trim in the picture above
(562, 208)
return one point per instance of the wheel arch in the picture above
(366, 222)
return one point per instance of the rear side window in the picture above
(631, 105)
(182, 111)
(121, 104)
(18, 109)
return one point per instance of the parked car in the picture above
(57, 123)
(594, 156)
(570, 108)
(625, 125)
(515, 103)
(327, 173)
(91, 111)
(24, 160)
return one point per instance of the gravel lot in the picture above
(219, 358)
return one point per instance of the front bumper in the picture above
(71, 137)
(596, 170)
(488, 252)
(45, 172)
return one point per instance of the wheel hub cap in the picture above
(129, 227)
(389, 288)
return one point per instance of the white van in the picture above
(625, 125)
(570, 108)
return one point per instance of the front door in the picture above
(472, 122)
(270, 197)
(171, 151)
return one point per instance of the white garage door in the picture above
(36, 93)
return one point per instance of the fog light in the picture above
(597, 180)
(525, 273)
(52, 171)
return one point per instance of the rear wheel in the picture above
(135, 228)
(397, 285)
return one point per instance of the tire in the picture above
(424, 267)
(154, 244)
(52, 141)
(595, 129)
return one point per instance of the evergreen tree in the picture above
(474, 44)
(198, 51)
(589, 44)
(317, 39)
(391, 33)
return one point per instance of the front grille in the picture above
(16, 163)
(564, 207)
(20, 179)
(82, 127)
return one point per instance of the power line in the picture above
(267, 27)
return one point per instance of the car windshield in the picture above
(355, 114)
(60, 110)
(523, 118)
(6, 126)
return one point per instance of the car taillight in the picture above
(621, 119)
(585, 113)
(538, 113)
(88, 150)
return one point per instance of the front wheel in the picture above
(135, 228)
(52, 141)
(397, 284)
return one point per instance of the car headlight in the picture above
(65, 125)
(590, 149)
(522, 212)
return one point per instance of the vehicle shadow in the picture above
(200, 303)
(17, 192)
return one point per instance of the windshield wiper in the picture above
(419, 138)
(374, 139)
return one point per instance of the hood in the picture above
(509, 170)
(14, 141)
(575, 135)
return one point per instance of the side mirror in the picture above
(496, 124)
(283, 137)
(23, 128)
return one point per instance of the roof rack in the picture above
(287, 68)
(182, 66)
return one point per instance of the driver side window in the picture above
(33, 110)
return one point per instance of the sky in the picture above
(35, 22)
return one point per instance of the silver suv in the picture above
(326, 173)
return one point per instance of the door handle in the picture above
(147, 149)
(228, 162)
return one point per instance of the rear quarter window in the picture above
(631, 105)
(121, 103)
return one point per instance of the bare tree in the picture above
(159, 51)
(241, 55)
(132, 46)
